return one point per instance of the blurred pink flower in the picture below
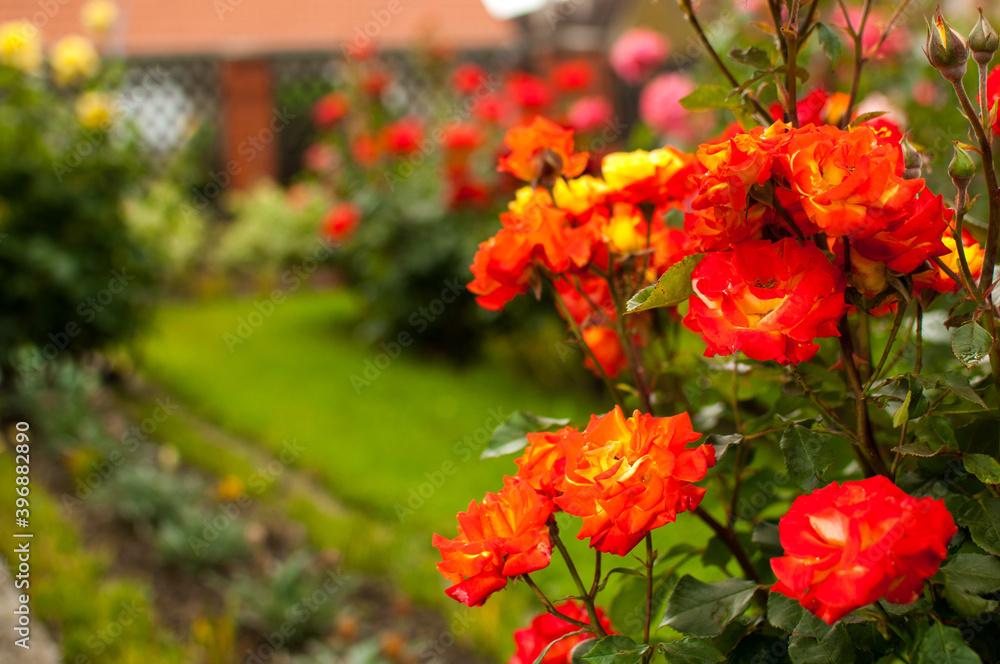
(660, 107)
(638, 53)
(925, 93)
(589, 113)
(896, 44)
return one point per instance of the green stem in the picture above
(649, 584)
(821, 404)
(860, 400)
(635, 365)
(896, 322)
(762, 115)
(550, 607)
(585, 597)
(564, 310)
(728, 536)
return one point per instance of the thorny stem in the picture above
(550, 607)
(597, 574)
(728, 536)
(585, 597)
(760, 111)
(649, 584)
(564, 310)
(791, 33)
(993, 230)
(896, 322)
(918, 362)
(820, 404)
(860, 400)
(961, 200)
(635, 365)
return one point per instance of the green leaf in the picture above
(970, 343)
(628, 607)
(511, 436)
(616, 650)
(865, 117)
(944, 645)
(721, 444)
(981, 515)
(972, 572)
(957, 383)
(834, 647)
(691, 651)
(807, 455)
(672, 288)
(752, 56)
(704, 609)
(830, 41)
(783, 612)
(581, 649)
(964, 603)
(765, 536)
(984, 467)
(709, 97)
(902, 413)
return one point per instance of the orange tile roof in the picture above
(247, 27)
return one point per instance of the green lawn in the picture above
(402, 450)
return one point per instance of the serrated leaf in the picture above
(704, 609)
(783, 612)
(581, 649)
(834, 648)
(944, 645)
(957, 383)
(511, 436)
(709, 97)
(807, 455)
(865, 117)
(972, 572)
(672, 288)
(830, 41)
(691, 651)
(970, 343)
(752, 56)
(984, 467)
(981, 515)
(616, 650)
(721, 444)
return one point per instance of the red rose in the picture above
(546, 628)
(849, 545)
(768, 301)
(573, 75)
(341, 221)
(329, 110)
(403, 136)
(993, 94)
(529, 92)
(467, 78)
(505, 535)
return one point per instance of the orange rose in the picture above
(631, 476)
(506, 535)
(541, 152)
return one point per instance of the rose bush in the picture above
(843, 370)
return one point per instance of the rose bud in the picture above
(912, 161)
(946, 49)
(983, 40)
(962, 168)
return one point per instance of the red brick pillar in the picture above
(250, 124)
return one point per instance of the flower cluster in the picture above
(849, 545)
(625, 477)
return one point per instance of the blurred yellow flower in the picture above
(21, 46)
(98, 16)
(73, 59)
(95, 110)
(230, 488)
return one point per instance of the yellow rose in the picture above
(98, 16)
(21, 46)
(95, 110)
(73, 59)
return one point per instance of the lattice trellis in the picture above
(172, 99)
